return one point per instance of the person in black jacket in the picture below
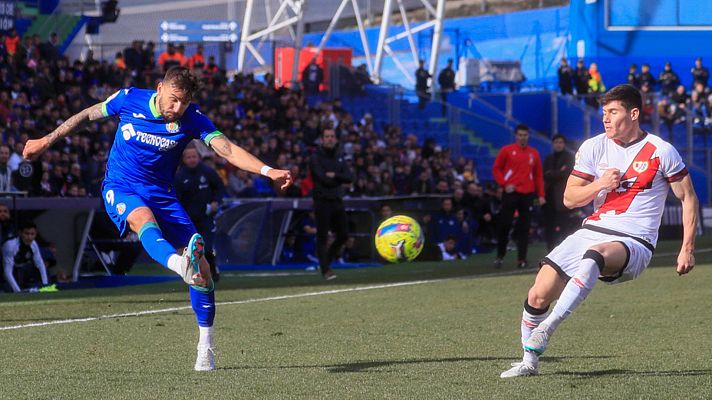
(557, 167)
(446, 80)
(199, 189)
(312, 77)
(566, 77)
(421, 84)
(329, 172)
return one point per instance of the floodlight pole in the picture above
(437, 34)
(383, 33)
(247, 19)
(301, 5)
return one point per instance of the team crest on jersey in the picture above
(121, 208)
(640, 166)
(173, 127)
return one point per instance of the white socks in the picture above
(174, 263)
(529, 322)
(206, 336)
(575, 291)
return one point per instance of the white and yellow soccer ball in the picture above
(399, 238)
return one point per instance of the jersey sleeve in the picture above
(113, 104)
(671, 164)
(584, 165)
(203, 127)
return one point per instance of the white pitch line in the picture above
(249, 301)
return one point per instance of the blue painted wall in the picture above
(535, 37)
(614, 50)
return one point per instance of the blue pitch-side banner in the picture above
(7, 15)
(198, 31)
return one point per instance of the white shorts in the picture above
(566, 257)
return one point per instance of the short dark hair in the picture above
(521, 127)
(28, 225)
(627, 94)
(559, 136)
(181, 78)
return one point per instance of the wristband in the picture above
(264, 170)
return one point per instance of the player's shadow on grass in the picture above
(365, 366)
(628, 372)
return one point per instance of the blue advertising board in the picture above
(7, 15)
(198, 31)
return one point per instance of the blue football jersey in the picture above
(147, 149)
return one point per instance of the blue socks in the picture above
(203, 303)
(156, 246)
(202, 299)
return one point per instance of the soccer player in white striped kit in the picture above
(627, 173)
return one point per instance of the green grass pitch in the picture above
(446, 334)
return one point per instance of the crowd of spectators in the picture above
(663, 96)
(40, 88)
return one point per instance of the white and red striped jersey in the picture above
(648, 166)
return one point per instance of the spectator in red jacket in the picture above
(518, 170)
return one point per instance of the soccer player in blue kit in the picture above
(154, 128)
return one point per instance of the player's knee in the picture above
(598, 255)
(534, 310)
(538, 299)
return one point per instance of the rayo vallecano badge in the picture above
(640, 166)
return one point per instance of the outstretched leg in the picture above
(547, 288)
(142, 221)
(603, 259)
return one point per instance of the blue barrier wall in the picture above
(667, 36)
(535, 37)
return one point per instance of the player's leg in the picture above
(143, 221)
(322, 215)
(599, 260)
(547, 288)
(179, 232)
(521, 232)
(340, 227)
(506, 215)
(128, 210)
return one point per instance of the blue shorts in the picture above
(121, 199)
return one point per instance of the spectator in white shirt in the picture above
(23, 266)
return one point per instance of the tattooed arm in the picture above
(240, 158)
(35, 147)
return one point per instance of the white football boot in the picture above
(538, 340)
(190, 261)
(206, 359)
(520, 369)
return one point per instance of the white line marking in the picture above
(259, 300)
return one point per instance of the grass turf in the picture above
(431, 340)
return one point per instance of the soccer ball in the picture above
(399, 238)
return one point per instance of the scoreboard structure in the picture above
(660, 15)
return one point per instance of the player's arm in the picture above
(8, 264)
(240, 158)
(34, 148)
(684, 191)
(580, 191)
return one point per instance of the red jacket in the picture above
(520, 167)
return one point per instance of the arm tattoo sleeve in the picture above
(76, 121)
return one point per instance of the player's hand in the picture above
(330, 174)
(685, 262)
(509, 188)
(282, 177)
(34, 148)
(611, 179)
(542, 201)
